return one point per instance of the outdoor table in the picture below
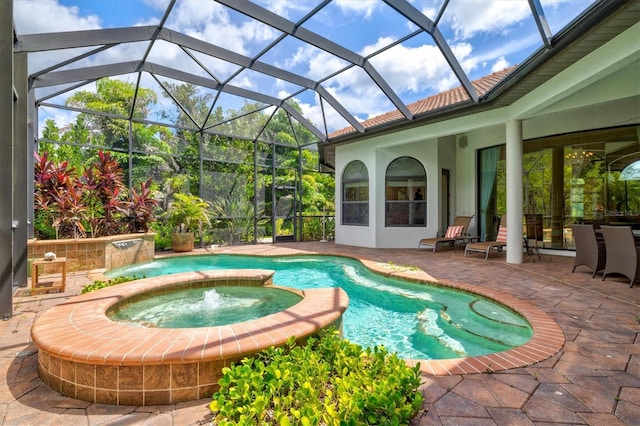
(38, 286)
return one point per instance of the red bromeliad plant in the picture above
(69, 212)
(141, 207)
(97, 200)
(49, 179)
(105, 196)
(52, 182)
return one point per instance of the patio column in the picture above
(557, 197)
(6, 157)
(514, 191)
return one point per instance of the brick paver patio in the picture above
(594, 379)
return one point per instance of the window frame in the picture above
(355, 212)
(400, 211)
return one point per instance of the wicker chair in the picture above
(623, 257)
(589, 251)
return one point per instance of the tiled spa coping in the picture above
(84, 355)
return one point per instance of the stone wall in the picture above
(110, 252)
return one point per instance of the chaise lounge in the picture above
(454, 231)
(486, 246)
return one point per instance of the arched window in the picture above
(355, 194)
(405, 193)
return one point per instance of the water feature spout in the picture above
(125, 244)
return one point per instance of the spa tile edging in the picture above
(84, 355)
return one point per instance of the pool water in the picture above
(417, 321)
(204, 307)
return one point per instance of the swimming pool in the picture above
(415, 320)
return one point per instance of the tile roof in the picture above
(432, 103)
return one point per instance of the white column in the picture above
(514, 191)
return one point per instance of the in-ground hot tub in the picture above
(84, 355)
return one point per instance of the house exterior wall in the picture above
(361, 236)
(601, 90)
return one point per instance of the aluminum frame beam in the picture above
(266, 16)
(415, 16)
(541, 22)
(6, 160)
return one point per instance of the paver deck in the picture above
(594, 379)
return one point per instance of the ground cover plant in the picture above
(328, 381)
(98, 284)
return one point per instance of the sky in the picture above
(484, 35)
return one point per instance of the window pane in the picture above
(355, 194)
(405, 193)
(355, 214)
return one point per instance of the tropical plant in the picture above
(105, 197)
(141, 208)
(95, 202)
(188, 213)
(227, 169)
(57, 198)
(235, 215)
(328, 381)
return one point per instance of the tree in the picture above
(115, 98)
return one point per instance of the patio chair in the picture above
(589, 251)
(458, 228)
(486, 246)
(623, 257)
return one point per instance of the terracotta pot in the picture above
(182, 241)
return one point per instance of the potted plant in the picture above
(186, 214)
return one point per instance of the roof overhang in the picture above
(600, 24)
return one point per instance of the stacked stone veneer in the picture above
(85, 254)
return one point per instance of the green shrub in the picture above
(98, 284)
(329, 381)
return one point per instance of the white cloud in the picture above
(491, 53)
(361, 7)
(244, 82)
(468, 18)
(430, 12)
(211, 22)
(406, 69)
(313, 112)
(43, 16)
(500, 64)
(416, 69)
(284, 7)
(160, 5)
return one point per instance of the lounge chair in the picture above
(623, 256)
(486, 246)
(589, 251)
(458, 228)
